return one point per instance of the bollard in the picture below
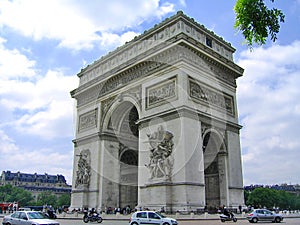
(192, 215)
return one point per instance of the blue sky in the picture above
(44, 44)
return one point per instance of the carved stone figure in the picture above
(161, 160)
(84, 169)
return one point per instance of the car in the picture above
(24, 209)
(28, 218)
(263, 215)
(150, 217)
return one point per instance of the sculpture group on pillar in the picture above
(161, 159)
(84, 169)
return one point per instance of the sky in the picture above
(45, 43)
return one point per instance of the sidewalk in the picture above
(181, 217)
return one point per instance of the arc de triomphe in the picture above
(157, 123)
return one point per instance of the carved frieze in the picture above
(163, 60)
(202, 93)
(88, 120)
(106, 104)
(158, 62)
(160, 93)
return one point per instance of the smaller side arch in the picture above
(213, 145)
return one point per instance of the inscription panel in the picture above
(221, 100)
(159, 94)
(88, 120)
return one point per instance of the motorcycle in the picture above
(51, 215)
(224, 217)
(95, 217)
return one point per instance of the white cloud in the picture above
(7, 144)
(46, 104)
(43, 99)
(13, 64)
(269, 111)
(78, 24)
(36, 160)
(109, 40)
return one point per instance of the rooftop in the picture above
(26, 177)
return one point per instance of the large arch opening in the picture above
(122, 124)
(211, 147)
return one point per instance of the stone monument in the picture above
(157, 123)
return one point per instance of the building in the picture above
(36, 183)
(157, 123)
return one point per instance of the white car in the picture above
(150, 217)
(28, 218)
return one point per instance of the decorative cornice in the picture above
(85, 139)
(238, 188)
(191, 113)
(169, 183)
(165, 32)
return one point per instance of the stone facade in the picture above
(157, 123)
(36, 183)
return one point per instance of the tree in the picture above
(64, 199)
(8, 193)
(263, 197)
(267, 197)
(47, 198)
(256, 21)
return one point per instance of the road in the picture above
(286, 221)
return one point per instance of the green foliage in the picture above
(64, 199)
(47, 198)
(263, 197)
(256, 21)
(266, 197)
(8, 193)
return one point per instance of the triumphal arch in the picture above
(157, 123)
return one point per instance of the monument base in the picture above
(172, 197)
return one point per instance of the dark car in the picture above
(264, 215)
(28, 218)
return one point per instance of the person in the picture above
(92, 211)
(226, 212)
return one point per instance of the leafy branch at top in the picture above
(256, 21)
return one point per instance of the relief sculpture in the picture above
(161, 159)
(83, 172)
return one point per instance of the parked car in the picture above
(150, 217)
(28, 217)
(263, 215)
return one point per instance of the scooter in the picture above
(95, 217)
(224, 217)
